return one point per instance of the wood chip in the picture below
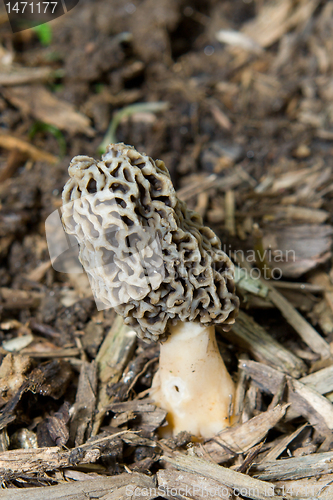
(309, 488)
(295, 468)
(14, 463)
(304, 400)
(84, 406)
(321, 381)
(238, 482)
(106, 488)
(12, 374)
(313, 406)
(308, 334)
(112, 358)
(148, 417)
(193, 486)
(247, 333)
(267, 378)
(277, 450)
(241, 438)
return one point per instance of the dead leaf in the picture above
(38, 102)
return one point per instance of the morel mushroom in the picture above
(150, 257)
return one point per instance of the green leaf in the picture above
(44, 33)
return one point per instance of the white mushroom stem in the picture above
(192, 383)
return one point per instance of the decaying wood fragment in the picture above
(295, 468)
(240, 388)
(238, 482)
(248, 334)
(242, 438)
(15, 463)
(310, 336)
(186, 485)
(84, 406)
(267, 378)
(311, 405)
(309, 488)
(279, 448)
(48, 379)
(12, 373)
(251, 146)
(304, 399)
(4, 440)
(252, 402)
(103, 487)
(134, 370)
(146, 416)
(321, 380)
(114, 354)
(53, 430)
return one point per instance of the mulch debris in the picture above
(236, 98)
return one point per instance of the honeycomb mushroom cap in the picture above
(131, 197)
